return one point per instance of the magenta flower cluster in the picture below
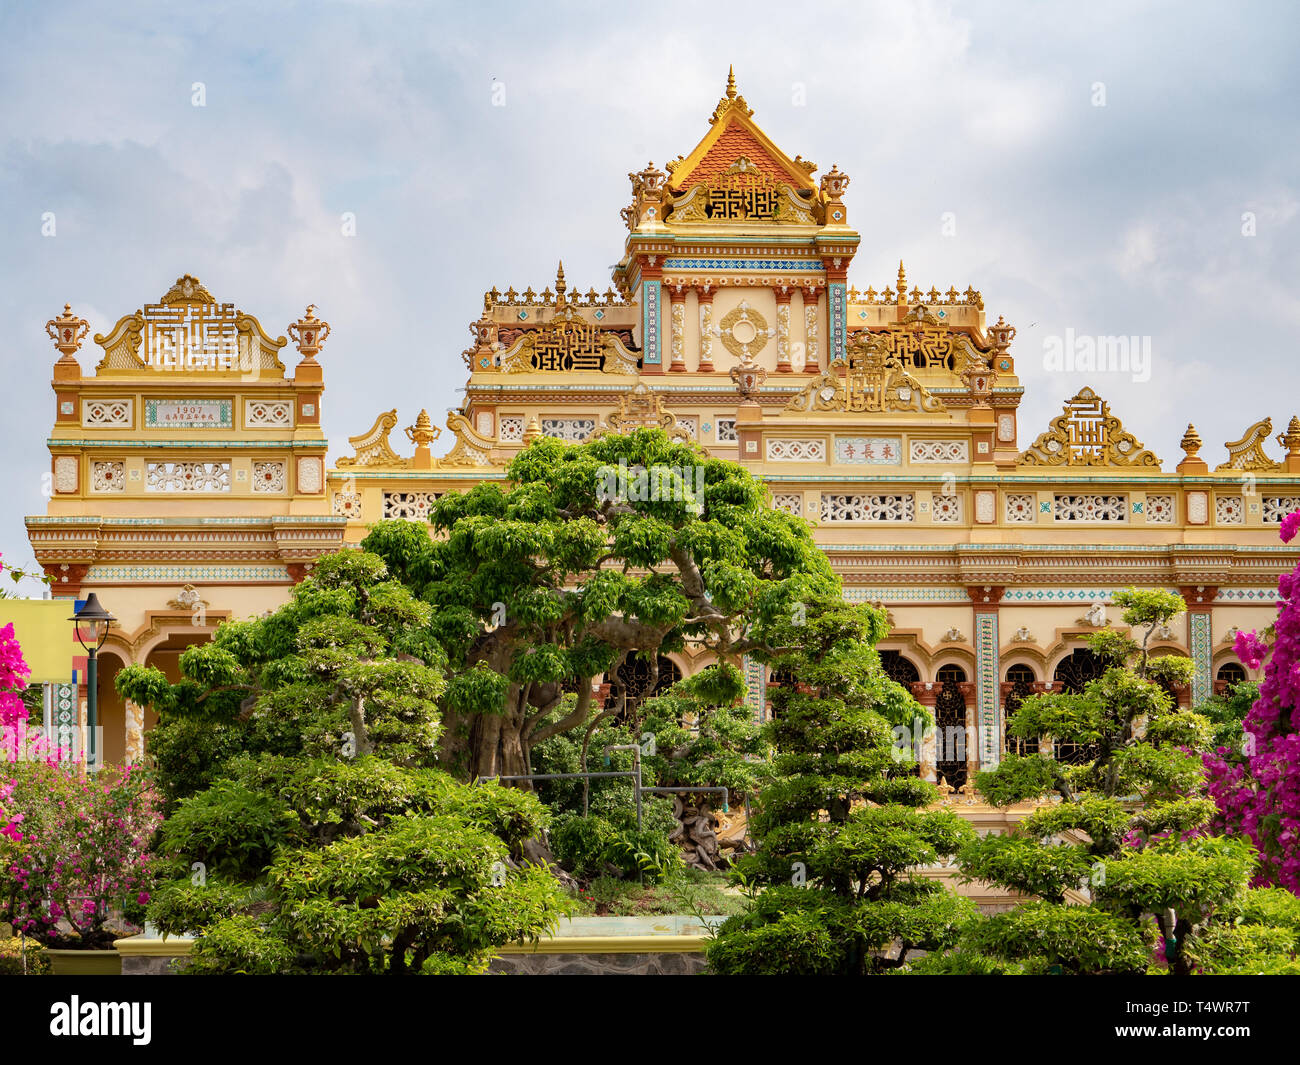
(1257, 789)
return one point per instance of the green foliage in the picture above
(330, 841)
(1122, 834)
(21, 956)
(1073, 940)
(841, 823)
(576, 566)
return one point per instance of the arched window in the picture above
(1074, 672)
(1021, 678)
(1231, 673)
(950, 726)
(642, 682)
(899, 669)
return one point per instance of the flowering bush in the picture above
(81, 863)
(1257, 789)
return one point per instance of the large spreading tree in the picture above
(309, 827)
(591, 555)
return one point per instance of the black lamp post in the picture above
(96, 619)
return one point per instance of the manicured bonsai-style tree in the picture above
(626, 545)
(1256, 786)
(842, 827)
(1116, 863)
(310, 829)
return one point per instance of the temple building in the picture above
(189, 481)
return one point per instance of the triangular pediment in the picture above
(736, 145)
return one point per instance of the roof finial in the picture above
(560, 285)
(901, 295)
(731, 82)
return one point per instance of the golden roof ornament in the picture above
(834, 183)
(1291, 441)
(67, 331)
(533, 431)
(1191, 445)
(731, 100)
(1087, 434)
(1248, 452)
(1001, 333)
(901, 295)
(422, 434)
(309, 333)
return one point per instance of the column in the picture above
(984, 601)
(134, 732)
(810, 335)
(677, 319)
(755, 685)
(783, 297)
(651, 325)
(705, 295)
(974, 731)
(837, 310)
(926, 693)
(1200, 638)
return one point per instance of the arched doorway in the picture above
(110, 710)
(950, 726)
(1021, 680)
(1074, 672)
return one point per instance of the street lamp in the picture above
(96, 619)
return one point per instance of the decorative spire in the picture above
(731, 99)
(67, 331)
(1291, 441)
(309, 333)
(533, 431)
(422, 434)
(560, 285)
(1191, 445)
(901, 295)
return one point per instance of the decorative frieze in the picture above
(311, 475)
(347, 504)
(1160, 510)
(945, 509)
(938, 451)
(1090, 508)
(268, 414)
(1021, 508)
(790, 502)
(187, 477)
(574, 430)
(65, 473)
(785, 449)
(1229, 510)
(109, 476)
(107, 413)
(1278, 507)
(868, 507)
(412, 506)
(269, 476)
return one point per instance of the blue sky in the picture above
(1123, 219)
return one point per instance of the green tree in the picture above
(843, 825)
(628, 545)
(1114, 863)
(313, 830)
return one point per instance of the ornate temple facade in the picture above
(190, 485)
